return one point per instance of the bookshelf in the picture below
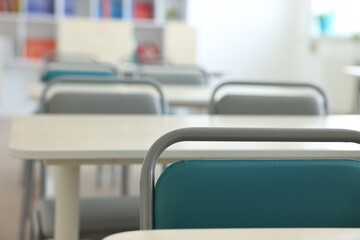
(29, 28)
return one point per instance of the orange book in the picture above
(37, 48)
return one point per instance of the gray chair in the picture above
(56, 56)
(97, 215)
(174, 74)
(261, 104)
(286, 193)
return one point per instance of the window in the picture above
(336, 17)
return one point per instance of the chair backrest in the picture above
(251, 194)
(102, 102)
(175, 74)
(262, 104)
(56, 56)
(53, 70)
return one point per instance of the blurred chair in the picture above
(97, 215)
(57, 56)
(174, 74)
(265, 104)
(287, 193)
(53, 70)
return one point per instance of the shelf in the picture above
(11, 17)
(40, 18)
(26, 17)
(148, 24)
(21, 62)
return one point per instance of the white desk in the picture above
(354, 71)
(70, 141)
(241, 234)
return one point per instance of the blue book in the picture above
(116, 8)
(69, 7)
(41, 6)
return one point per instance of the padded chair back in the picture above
(251, 194)
(175, 75)
(55, 70)
(269, 104)
(103, 103)
(56, 56)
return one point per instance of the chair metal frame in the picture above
(147, 182)
(101, 81)
(205, 75)
(269, 84)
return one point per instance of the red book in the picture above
(106, 8)
(143, 10)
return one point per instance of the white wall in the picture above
(326, 63)
(270, 40)
(245, 39)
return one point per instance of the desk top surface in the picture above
(126, 138)
(241, 234)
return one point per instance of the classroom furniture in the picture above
(175, 74)
(262, 104)
(354, 71)
(241, 234)
(53, 70)
(85, 102)
(176, 95)
(65, 143)
(286, 193)
(94, 209)
(94, 37)
(57, 56)
(127, 28)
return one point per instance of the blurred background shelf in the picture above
(30, 28)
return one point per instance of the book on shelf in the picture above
(69, 7)
(41, 6)
(37, 48)
(110, 9)
(9, 5)
(143, 10)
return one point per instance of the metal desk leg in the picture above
(27, 198)
(357, 96)
(67, 202)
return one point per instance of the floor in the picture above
(14, 102)
(11, 188)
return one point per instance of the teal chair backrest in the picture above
(68, 69)
(251, 193)
(258, 194)
(74, 73)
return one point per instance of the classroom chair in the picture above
(56, 56)
(257, 193)
(265, 104)
(53, 70)
(174, 74)
(97, 215)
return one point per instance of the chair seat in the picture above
(97, 215)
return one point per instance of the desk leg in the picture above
(67, 202)
(357, 95)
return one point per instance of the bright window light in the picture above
(337, 17)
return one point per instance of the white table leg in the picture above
(67, 202)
